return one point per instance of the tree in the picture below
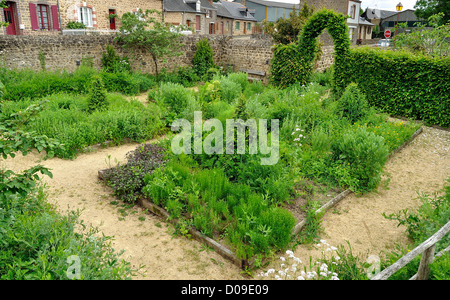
(286, 31)
(144, 30)
(427, 8)
(433, 42)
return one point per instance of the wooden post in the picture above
(425, 261)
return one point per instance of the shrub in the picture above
(229, 90)
(293, 63)
(174, 96)
(203, 57)
(363, 154)
(403, 84)
(112, 62)
(127, 180)
(75, 25)
(97, 98)
(353, 104)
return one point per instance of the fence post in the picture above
(427, 258)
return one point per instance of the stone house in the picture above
(234, 19)
(94, 14)
(358, 27)
(30, 17)
(200, 15)
(50, 16)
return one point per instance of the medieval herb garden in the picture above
(334, 134)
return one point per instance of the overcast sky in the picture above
(380, 4)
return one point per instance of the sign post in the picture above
(387, 33)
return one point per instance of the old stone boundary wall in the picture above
(66, 53)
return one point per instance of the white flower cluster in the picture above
(300, 136)
(290, 268)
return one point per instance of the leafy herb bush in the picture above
(174, 96)
(364, 154)
(24, 84)
(112, 62)
(97, 96)
(127, 180)
(203, 58)
(353, 104)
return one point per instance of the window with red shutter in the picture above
(33, 16)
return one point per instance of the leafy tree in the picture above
(427, 8)
(146, 31)
(286, 31)
(432, 42)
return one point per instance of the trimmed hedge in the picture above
(403, 84)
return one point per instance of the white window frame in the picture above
(85, 16)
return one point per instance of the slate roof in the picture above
(374, 13)
(274, 4)
(234, 10)
(185, 5)
(363, 21)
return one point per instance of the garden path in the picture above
(421, 166)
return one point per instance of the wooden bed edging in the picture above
(197, 235)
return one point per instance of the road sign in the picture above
(387, 34)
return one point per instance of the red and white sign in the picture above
(387, 34)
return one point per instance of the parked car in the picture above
(384, 43)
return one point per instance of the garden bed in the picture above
(233, 203)
(296, 207)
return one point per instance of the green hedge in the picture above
(403, 84)
(293, 63)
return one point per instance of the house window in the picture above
(238, 25)
(112, 19)
(353, 11)
(85, 16)
(208, 14)
(249, 26)
(42, 11)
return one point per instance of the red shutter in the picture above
(55, 17)
(33, 16)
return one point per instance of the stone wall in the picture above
(66, 52)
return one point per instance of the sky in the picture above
(380, 4)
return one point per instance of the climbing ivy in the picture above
(293, 63)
